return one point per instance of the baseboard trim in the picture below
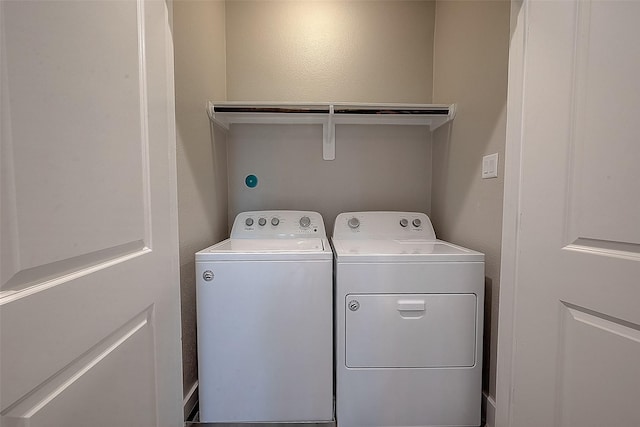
(190, 400)
(489, 406)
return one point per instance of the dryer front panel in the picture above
(410, 330)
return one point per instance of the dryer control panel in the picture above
(277, 224)
(383, 225)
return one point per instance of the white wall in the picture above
(200, 70)
(470, 68)
(355, 51)
(332, 51)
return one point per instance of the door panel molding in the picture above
(38, 279)
(603, 321)
(85, 377)
(592, 378)
(603, 116)
(18, 274)
(27, 406)
(622, 250)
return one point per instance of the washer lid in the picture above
(409, 250)
(266, 249)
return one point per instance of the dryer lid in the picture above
(407, 250)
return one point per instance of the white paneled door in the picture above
(89, 309)
(570, 303)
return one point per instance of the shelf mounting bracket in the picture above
(329, 137)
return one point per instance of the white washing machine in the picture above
(408, 323)
(265, 321)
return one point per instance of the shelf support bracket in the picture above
(329, 137)
(212, 116)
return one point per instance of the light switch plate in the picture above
(490, 166)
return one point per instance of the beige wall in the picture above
(376, 168)
(355, 51)
(470, 68)
(361, 51)
(199, 31)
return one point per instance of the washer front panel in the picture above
(265, 335)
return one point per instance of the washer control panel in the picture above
(383, 225)
(275, 224)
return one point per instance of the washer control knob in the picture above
(354, 223)
(305, 221)
(248, 222)
(275, 221)
(404, 222)
(208, 275)
(262, 222)
(416, 222)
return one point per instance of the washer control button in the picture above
(305, 221)
(404, 222)
(262, 222)
(354, 223)
(249, 222)
(416, 222)
(275, 221)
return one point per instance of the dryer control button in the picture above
(404, 222)
(354, 305)
(262, 222)
(354, 223)
(305, 221)
(416, 222)
(249, 222)
(275, 221)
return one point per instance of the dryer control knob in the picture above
(249, 222)
(416, 222)
(262, 222)
(404, 222)
(275, 221)
(305, 221)
(354, 223)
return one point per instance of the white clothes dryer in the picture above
(408, 323)
(265, 321)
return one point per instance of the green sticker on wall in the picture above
(251, 181)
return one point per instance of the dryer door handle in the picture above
(411, 305)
